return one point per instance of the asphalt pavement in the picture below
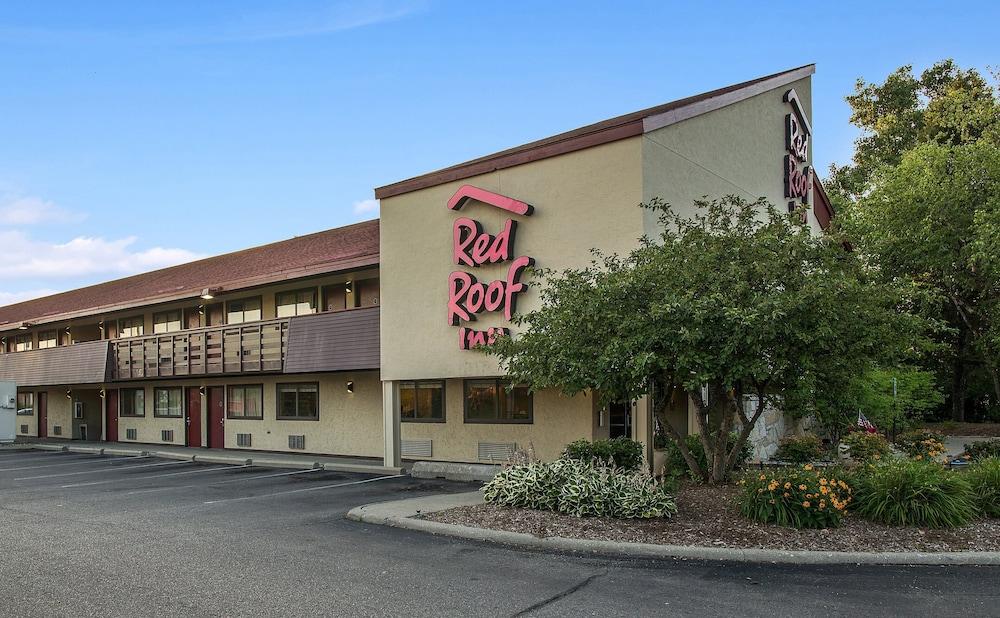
(116, 536)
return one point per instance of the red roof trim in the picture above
(468, 192)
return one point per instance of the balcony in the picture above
(255, 347)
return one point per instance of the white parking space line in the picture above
(99, 470)
(246, 478)
(299, 491)
(68, 463)
(50, 457)
(152, 476)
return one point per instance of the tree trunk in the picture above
(660, 403)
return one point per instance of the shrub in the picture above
(799, 449)
(618, 452)
(913, 493)
(984, 477)
(580, 488)
(921, 444)
(864, 446)
(799, 497)
(675, 461)
(977, 451)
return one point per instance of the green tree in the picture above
(739, 297)
(931, 220)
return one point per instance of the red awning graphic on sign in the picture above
(468, 192)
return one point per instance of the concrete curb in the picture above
(401, 513)
(221, 458)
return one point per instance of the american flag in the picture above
(864, 423)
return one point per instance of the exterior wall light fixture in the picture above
(350, 386)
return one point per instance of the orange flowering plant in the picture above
(799, 497)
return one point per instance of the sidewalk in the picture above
(403, 514)
(205, 455)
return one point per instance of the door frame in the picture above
(42, 400)
(111, 405)
(188, 425)
(209, 442)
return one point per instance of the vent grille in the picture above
(131, 433)
(243, 439)
(24, 429)
(57, 430)
(297, 442)
(167, 435)
(416, 448)
(496, 451)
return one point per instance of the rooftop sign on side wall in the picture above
(474, 247)
(798, 181)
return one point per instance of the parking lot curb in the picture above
(404, 513)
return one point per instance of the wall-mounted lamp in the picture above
(209, 293)
(69, 393)
(201, 309)
(24, 326)
(350, 386)
(201, 390)
(102, 393)
(349, 286)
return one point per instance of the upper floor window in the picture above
(22, 343)
(245, 310)
(131, 327)
(47, 339)
(299, 302)
(167, 321)
(26, 404)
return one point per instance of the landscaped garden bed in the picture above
(708, 516)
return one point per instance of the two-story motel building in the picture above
(355, 341)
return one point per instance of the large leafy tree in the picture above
(918, 201)
(739, 297)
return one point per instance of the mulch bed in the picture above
(965, 429)
(707, 516)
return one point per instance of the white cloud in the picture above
(24, 257)
(30, 210)
(366, 207)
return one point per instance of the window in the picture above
(245, 401)
(298, 402)
(490, 401)
(25, 404)
(22, 343)
(167, 322)
(246, 310)
(300, 302)
(133, 402)
(47, 339)
(131, 327)
(168, 402)
(422, 401)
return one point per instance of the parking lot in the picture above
(140, 536)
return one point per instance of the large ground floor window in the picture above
(25, 404)
(421, 401)
(245, 401)
(133, 402)
(168, 402)
(298, 402)
(495, 401)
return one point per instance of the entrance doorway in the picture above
(620, 420)
(193, 416)
(111, 415)
(216, 417)
(43, 415)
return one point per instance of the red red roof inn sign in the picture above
(473, 247)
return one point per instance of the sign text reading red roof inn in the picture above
(473, 247)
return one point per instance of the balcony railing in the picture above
(256, 347)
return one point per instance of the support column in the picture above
(390, 424)
(642, 426)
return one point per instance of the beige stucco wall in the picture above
(558, 420)
(349, 423)
(738, 149)
(582, 200)
(30, 421)
(59, 412)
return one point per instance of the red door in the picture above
(216, 417)
(194, 417)
(111, 415)
(43, 415)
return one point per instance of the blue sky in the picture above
(135, 135)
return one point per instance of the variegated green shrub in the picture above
(580, 488)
